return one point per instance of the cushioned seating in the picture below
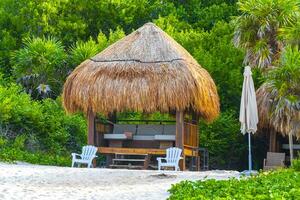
(121, 128)
(115, 136)
(158, 132)
(169, 129)
(149, 129)
(165, 137)
(143, 137)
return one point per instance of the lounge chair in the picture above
(171, 160)
(274, 160)
(86, 157)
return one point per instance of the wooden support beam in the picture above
(179, 129)
(147, 161)
(195, 118)
(91, 127)
(180, 135)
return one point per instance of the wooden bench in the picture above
(120, 158)
(146, 153)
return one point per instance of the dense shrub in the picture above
(40, 66)
(283, 184)
(41, 127)
(224, 141)
(11, 151)
(84, 50)
(296, 165)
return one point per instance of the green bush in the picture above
(11, 154)
(296, 165)
(82, 51)
(41, 63)
(282, 184)
(224, 141)
(31, 129)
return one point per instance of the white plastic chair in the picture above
(86, 157)
(171, 160)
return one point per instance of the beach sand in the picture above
(25, 181)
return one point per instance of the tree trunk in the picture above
(272, 142)
(291, 147)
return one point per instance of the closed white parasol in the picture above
(248, 109)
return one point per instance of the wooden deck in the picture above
(139, 151)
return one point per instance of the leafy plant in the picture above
(223, 140)
(82, 51)
(282, 184)
(257, 29)
(296, 165)
(284, 82)
(38, 126)
(40, 67)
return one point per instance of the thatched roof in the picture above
(266, 102)
(145, 71)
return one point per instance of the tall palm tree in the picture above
(257, 29)
(291, 34)
(279, 98)
(263, 29)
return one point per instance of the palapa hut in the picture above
(286, 122)
(146, 71)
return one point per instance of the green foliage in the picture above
(11, 154)
(82, 51)
(291, 34)
(38, 126)
(224, 142)
(40, 62)
(283, 184)
(209, 16)
(15, 150)
(115, 35)
(142, 116)
(205, 14)
(258, 27)
(284, 84)
(296, 165)
(285, 78)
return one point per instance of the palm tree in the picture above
(263, 29)
(291, 34)
(279, 97)
(257, 29)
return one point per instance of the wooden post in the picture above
(180, 135)
(195, 117)
(91, 127)
(272, 143)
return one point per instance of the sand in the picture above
(24, 181)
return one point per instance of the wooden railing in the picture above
(190, 134)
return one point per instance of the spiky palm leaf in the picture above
(257, 28)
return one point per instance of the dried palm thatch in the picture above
(145, 71)
(285, 120)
